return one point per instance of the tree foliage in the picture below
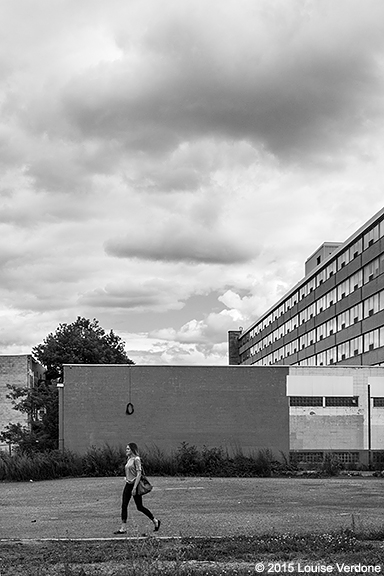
(40, 404)
(82, 342)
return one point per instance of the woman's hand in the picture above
(134, 492)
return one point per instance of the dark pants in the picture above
(127, 493)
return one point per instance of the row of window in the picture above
(360, 311)
(361, 344)
(368, 273)
(324, 401)
(338, 263)
(318, 457)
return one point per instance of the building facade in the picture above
(19, 370)
(338, 410)
(163, 406)
(334, 315)
(304, 411)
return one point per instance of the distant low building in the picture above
(19, 370)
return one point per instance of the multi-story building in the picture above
(19, 370)
(334, 315)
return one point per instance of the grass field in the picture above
(218, 525)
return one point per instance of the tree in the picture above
(40, 404)
(82, 342)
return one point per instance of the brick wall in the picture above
(211, 405)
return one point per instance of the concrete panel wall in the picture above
(211, 405)
(338, 428)
(326, 431)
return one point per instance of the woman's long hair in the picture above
(134, 448)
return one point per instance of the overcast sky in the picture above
(168, 166)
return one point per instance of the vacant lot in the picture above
(90, 507)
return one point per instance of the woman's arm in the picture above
(137, 479)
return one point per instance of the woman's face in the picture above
(128, 451)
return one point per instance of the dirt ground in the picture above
(90, 507)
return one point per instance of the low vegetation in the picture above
(187, 460)
(189, 556)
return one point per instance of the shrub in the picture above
(331, 465)
(106, 461)
(188, 460)
(156, 461)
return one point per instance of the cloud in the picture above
(155, 152)
(174, 242)
(151, 294)
(283, 87)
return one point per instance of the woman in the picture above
(132, 478)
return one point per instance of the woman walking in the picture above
(132, 478)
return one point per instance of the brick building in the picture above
(19, 370)
(302, 410)
(201, 405)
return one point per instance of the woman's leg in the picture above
(125, 501)
(139, 505)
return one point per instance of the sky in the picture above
(167, 167)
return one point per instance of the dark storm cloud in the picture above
(299, 83)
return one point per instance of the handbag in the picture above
(144, 486)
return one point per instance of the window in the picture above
(303, 316)
(309, 457)
(331, 269)
(288, 349)
(355, 281)
(303, 292)
(356, 313)
(371, 270)
(311, 337)
(330, 297)
(331, 355)
(321, 359)
(371, 305)
(341, 401)
(343, 351)
(356, 346)
(371, 340)
(321, 304)
(331, 326)
(347, 457)
(342, 260)
(321, 332)
(370, 237)
(356, 249)
(306, 400)
(321, 277)
(343, 320)
(343, 290)
(378, 402)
